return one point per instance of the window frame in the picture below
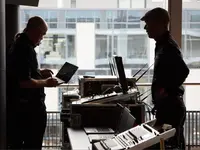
(175, 12)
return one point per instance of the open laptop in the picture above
(65, 73)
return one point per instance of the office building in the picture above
(87, 33)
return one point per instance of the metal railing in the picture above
(53, 134)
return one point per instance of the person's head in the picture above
(36, 28)
(157, 22)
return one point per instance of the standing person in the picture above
(170, 71)
(26, 110)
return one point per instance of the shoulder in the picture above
(21, 45)
(22, 40)
(172, 48)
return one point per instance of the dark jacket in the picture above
(170, 71)
(22, 65)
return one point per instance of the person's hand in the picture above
(46, 73)
(51, 82)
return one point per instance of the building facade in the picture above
(88, 32)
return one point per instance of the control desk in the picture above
(99, 109)
(137, 138)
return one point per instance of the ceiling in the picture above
(23, 2)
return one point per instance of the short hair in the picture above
(34, 22)
(157, 14)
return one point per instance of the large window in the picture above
(50, 16)
(71, 52)
(137, 46)
(191, 52)
(106, 46)
(134, 19)
(70, 19)
(117, 31)
(56, 48)
(191, 37)
(194, 19)
(101, 46)
(53, 19)
(190, 46)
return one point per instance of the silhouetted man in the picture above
(26, 110)
(170, 71)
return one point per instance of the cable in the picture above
(110, 88)
(140, 70)
(142, 102)
(144, 72)
(145, 97)
(144, 92)
(110, 65)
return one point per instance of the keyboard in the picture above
(107, 98)
(94, 99)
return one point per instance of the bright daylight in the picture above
(89, 34)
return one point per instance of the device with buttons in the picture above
(136, 138)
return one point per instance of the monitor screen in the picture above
(119, 67)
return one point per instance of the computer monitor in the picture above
(118, 63)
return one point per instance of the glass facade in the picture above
(137, 46)
(113, 21)
(109, 19)
(116, 32)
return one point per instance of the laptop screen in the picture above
(66, 72)
(121, 73)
